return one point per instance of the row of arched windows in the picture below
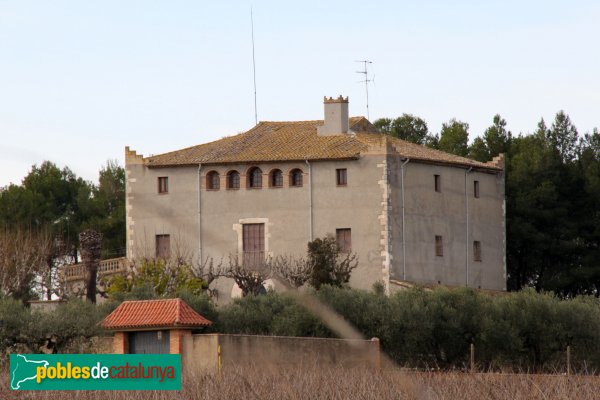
(254, 179)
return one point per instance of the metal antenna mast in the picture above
(253, 67)
(365, 72)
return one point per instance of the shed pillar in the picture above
(120, 343)
(176, 342)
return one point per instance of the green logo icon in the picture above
(95, 372)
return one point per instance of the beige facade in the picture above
(389, 203)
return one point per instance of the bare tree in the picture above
(293, 271)
(208, 269)
(23, 257)
(249, 276)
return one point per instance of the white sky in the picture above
(80, 80)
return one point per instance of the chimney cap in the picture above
(340, 99)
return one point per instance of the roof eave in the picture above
(479, 168)
(318, 159)
(136, 328)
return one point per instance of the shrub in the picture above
(270, 314)
(27, 331)
(329, 265)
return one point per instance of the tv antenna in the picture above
(366, 81)
(253, 67)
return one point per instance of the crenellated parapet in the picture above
(498, 161)
(132, 157)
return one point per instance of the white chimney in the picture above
(336, 117)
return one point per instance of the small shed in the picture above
(152, 326)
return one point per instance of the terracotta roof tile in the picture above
(415, 151)
(153, 313)
(298, 141)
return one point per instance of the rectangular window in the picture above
(439, 246)
(253, 236)
(341, 176)
(477, 251)
(344, 239)
(163, 246)
(437, 181)
(476, 189)
(163, 184)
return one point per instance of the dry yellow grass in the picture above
(319, 383)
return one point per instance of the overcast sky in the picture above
(80, 80)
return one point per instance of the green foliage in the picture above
(105, 209)
(76, 318)
(163, 277)
(55, 201)
(14, 320)
(271, 314)
(496, 139)
(406, 127)
(30, 331)
(553, 210)
(47, 199)
(330, 266)
(367, 311)
(478, 150)
(155, 279)
(454, 137)
(525, 330)
(563, 137)
(420, 328)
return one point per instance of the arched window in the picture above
(213, 181)
(296, 177)
(254, 178)
(233, 180)
(276, 178)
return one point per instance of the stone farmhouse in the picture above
(412, 214)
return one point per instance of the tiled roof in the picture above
(298, 141)
(168, 313)
(415, 151)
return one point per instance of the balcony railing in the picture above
(107, 267)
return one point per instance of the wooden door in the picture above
(253, 244)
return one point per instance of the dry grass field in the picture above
(351, 384)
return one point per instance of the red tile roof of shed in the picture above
(169, 313)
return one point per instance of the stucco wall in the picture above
(201, 352)
(370, 205)
(150, 214)
(284, 211)
(429, 213)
